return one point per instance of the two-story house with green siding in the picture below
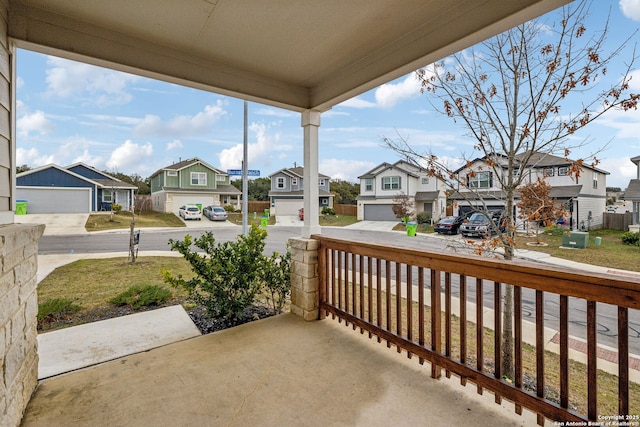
(287, 190)
(192, 182)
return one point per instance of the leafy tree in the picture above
(257, 188)
(22, 168)
(345, 192)
(402, 206)
(537, 206)
(514, 95)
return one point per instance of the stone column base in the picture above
(304, 278)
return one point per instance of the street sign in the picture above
(250, 172)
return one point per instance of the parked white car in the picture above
(190, 212)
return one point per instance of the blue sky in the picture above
(70, 112)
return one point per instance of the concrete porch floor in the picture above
(274, 372)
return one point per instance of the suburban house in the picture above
(287, 191)
(632, 194)
(77, 188)
(191, 182)
(384, 183)
(583, 194)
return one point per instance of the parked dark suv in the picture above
(478, 224)
(449, 224)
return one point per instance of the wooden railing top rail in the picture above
(617, 290)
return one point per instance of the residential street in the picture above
(156, 240)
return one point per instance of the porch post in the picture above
(310, 124)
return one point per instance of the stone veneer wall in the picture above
(18, 319)
(304, 278)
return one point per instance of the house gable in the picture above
(192, 174)
(88, 172)
(52, 176)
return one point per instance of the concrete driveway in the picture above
(57, 224)
(289, 220)
(373, 225)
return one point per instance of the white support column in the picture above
(310, 124)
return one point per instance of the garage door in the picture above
(55, 200)
(379, 213)
(288, 207)
(192, 199)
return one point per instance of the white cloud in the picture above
(174, 145)
(390, 94)
(129, 156)
(622, 170)
(35, 122)
(631, 9)
(266, 147)
(357, 103)
(94, 85)
(275, 112)
(180, 126)
(634, 83)
(32, 158)
(348, 170)
(85, 157)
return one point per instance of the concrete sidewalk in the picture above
(68, 349)
(274, 372)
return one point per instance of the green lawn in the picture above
(106, 221)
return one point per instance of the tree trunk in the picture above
(132, 250)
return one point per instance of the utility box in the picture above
(575, 239)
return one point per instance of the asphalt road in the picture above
(278, 236)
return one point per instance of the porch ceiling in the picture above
(289, 53)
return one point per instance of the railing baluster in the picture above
(517, 341)
(447, 318)
(421, 309)
(592, 362)
(379, 295)
(623, 361)
(339, 255)
(399, 302)
(436, 321)
(409, 306)
(497, 336)
(479, 329)
(323, 283)
(354, 287)
(540, 349)
(463, 324)
(564, 351)
(370, 290)
(388, 279)
(346, 285)
(361, 270)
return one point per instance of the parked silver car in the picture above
(215, 213)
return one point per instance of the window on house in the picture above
(391, 183)
(321, 183)
(107, 196)
(280, 183)
(294, 181)
(563, 171)
(221, 178)
(198, 178)
(595, 180)
(548, 172)
(325, 202)
(480, 180)
(425, 180)
(172, 173)
(368, 184)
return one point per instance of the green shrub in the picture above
(423, 218)
(277, 280)
(328, 211)
(228, 275)
(631, 238)
(57, 307)
(116, 208)
(139, 296)
(229, 208)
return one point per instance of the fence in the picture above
(346, 210)
(617, 221)
(409, 298)
(142, 202)
(257, 206)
